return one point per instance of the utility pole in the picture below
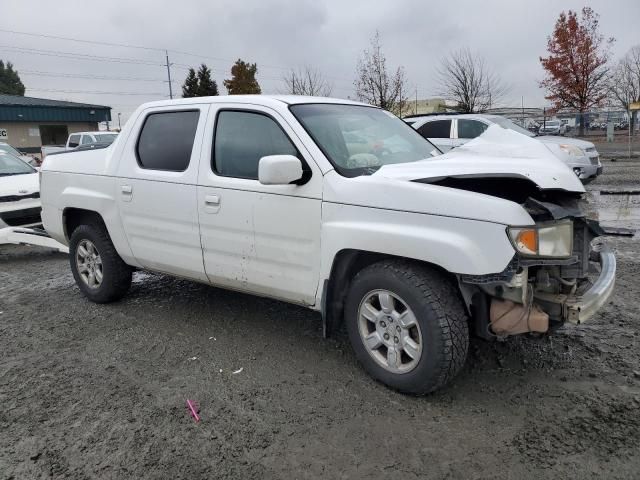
(169, 74)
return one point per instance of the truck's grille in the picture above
(17, 218)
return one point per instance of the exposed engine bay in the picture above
(534, 293)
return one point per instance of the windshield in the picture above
(509, 125)
(358, 140)
(5, 147)
(106, 137)
(552, 123)
(11, 165)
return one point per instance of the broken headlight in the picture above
(550, 239)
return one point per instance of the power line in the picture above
(80, 56)
(91, 92)
(141, 47)
(88, 76)
(92, 42)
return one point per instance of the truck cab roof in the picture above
(266, 100)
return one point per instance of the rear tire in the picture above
(98, 270)
(407, 325)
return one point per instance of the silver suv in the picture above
(450, 131)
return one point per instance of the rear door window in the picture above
(166, 140)
(436, 129)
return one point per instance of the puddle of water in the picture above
(618, 210)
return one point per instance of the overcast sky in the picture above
(278, 35)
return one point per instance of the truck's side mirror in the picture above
(279, 169)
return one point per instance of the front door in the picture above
(263, 239)
(156, 190)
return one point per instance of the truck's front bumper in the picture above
(579, 309)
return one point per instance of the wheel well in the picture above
(346, 265)
(74, 217)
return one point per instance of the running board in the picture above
(30, 236)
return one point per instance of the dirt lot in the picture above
(90, 391)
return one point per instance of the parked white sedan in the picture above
(450, 131)
(19, 193)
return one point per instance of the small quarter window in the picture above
(166, 140)
(242, 139)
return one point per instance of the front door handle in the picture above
(127, 193)
(212, 200)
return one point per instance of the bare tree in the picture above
(375, 85)
(307, 81)
(465, 79)
(625, 81)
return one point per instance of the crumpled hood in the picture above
(498, 152)
(19, 184)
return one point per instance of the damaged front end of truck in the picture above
(561, 270)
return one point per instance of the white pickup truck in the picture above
(340, 207)
(80, 140)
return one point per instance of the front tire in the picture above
(98, 270)
(407, 325)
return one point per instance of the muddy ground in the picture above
(98, 391)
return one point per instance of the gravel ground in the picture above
(98, 391)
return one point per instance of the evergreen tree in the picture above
(190, 85)
(10, 82)
(243, 79)
(206, 85)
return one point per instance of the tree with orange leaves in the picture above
(576, 68)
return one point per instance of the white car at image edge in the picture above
(19, 193)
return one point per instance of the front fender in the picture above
(457, 245)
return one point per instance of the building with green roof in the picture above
(28, 123)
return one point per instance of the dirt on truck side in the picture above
(99, 391)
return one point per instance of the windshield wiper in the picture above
(12, 173)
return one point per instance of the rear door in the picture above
(437, 132)
(467, 129)
(156, 189)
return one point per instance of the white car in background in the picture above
(19, 193)
(6, 148)
(553, 127)
(450, 131)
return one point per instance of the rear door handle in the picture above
(212, 200)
